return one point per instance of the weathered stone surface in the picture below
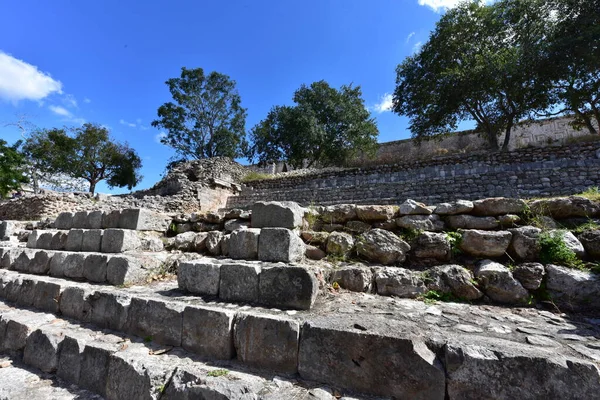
(59, 241)
(40, 264)
(46, 296)
(411, 207)
(199, 277)
(356, 279)
(276, 214)
(56, 266)
(340, 244)
(236, 224)
(338, 214)
(457, 279)
(509, 221)
(429, 245)
(237, 213)
(455, 207)
(334, 352)
(64, 221)
(108, 309)
(239, 282)
(94, 220)
(280, 245)
(127, 270)
(80, 220)
(95, 360)
(111, 219)
(328, 228)
(525, 244)
(357, 226)
(498, 206)
(208, 332)
(41, 350)
(421, 222)
(267, 342)
(74, 240)
(225, 245)
(315, 238)
(73, 265)
(150, 241)
(44, 240)
(92, 240)
(591, 242)
(566, 207)
(188, 241)
(287, 286)
(74, 303)
(572, 243)
(484, 243)
(32, 239)
(499, 284)
(243, 244)
(94, 267)
(119, 240)
(376, 213)
(213, 242)
(381, 246)
(471, 222)
(572, 289)
(400, 282)
(143, 220)
(530, 275)
(155, 320)
(314, 253)
(69, 361)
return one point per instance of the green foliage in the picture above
(256, 176)
(218, 372)
(206, 118)
(433, 296)
(591, 193)
(89, 154)
(410, 234)
(326, 127)
(455, 238)
(12, 163)
(553, 250)
(588, 226)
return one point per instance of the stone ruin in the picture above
(278, 301)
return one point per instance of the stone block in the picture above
(64, 221)
(32, 239)
(74, 303)
(243, 244)
(73, 265)
(44, 240)
(199, 277)
(95, 267)
(92, 240)
(128, 270)
(57, 265)
(485, 243)
(370, 360)
(472, 222)
(274, 214)
(155, 320)
(288, 287)
(40, 263)
(59, 241)
(119, 240)
(208, 332)
(94, 220)
(41, 349)
(498, 206)
(239, 282)
(80, 220)
(74, 240)
(280, 245)
(109, 309)
(23, 259)
(213, 242)
(111, 219)
(267, 342)
(143, 220)
(8, 258)
(355, 279)
(95, 360)
(7, 229)
(69, 361)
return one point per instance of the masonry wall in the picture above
(530, 172)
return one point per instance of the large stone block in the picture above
(80, 220)
(125, 270)
(94, 220)
(95, 267)
(355, 279)
(373, 359)
(485, 243)
(472, 222)
(199, 277)
(267, 342)
(40, 264)
(208, 332)
(109, 309)
(44, 240)
(69, 361)
(499, 284)
(156, 321)
(74, 303)
(73, 265)
(572, 289)
(280, 245)
(92, 240)
(64, 221)
(119, 241)
(57, 264)
(46, 296)
(74, 240)
(498, 206)
(288, 287)
(59, 240)
(111, 219)
(239, 282)
(7, 229)
(32, 239)
(41, 350)
(23, 260)
(95, 360)
(143, 220)
(243, 244)
(274, 214)
(381, 246)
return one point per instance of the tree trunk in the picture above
(492, 140)
(587, 121)
(93, 187)
(507, 136)
(597, 115)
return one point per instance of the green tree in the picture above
(206, 119)
(327, 127)
(478, 64)
(12, 164)
(89, 154)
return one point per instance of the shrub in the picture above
(554, 250)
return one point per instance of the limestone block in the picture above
(530, 275)
(94, 220)
(243, 244)
(111, 219)
(411, 207)
(334, 352)
(280, 245)
(156, 320)
(525, 244)
(92, 240)
(59, 240)
(213, 242)
(472, 222)
(109, 309)
(41, 349)
(314, 253)
(57, 266)
(236, 224)
(453, 279)
(125, 270)
(44, 240)
(356, 279)
(40, 264)
(498, 206)
(499, 284)
(143, 220)
(74, 240)
(73, 265)
(288, 287)
(74, 303)
(338, 214)
(566, 207)
(275, 214)
(591, 242)
(225, 245)
(455, 207)
(188, 241)
(376, 213)
(239, 282)
(400, 282)
(80, 220)
(7, 229)
(267, 342)
(340, 244)
(480, 243)
(23, 260)
(381, 246)
(69, 362)
(64, 221)
(32, 239)
(95, 360)
(119, 240)
(430, 245)
(95, 267)
(573, 289)
(421, 222)
(199, 277)
(46, 296)
(208, 332)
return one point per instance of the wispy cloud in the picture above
(159, 137)
(129, 124)
(86, 100)
(136, 124)
(385, 103)
(441, 5)
(410, 35)
(70, 100)
(22, 81)
(58, 110)
(417, 47)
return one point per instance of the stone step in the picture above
(117, 366)
(380, 346)
(123, 269)
(132, 218)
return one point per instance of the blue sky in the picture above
(63, 63)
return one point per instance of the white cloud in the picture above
(385, 103)
(60, 111)
(129, 124)
(86, 100)
(410, 35)
(160, 136)
(22, 81)
(70, 100)
(417, 47)
(441, 5)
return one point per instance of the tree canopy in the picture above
(89, 154)
(326, 127)
(12, 165)
(206, 118)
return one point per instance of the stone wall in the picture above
(529, 172)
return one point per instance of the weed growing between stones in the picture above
(555, 251)
(433, 296)
(454, 238)
(591, 193)
(218, 372)
(588, 226)
(409, 234)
